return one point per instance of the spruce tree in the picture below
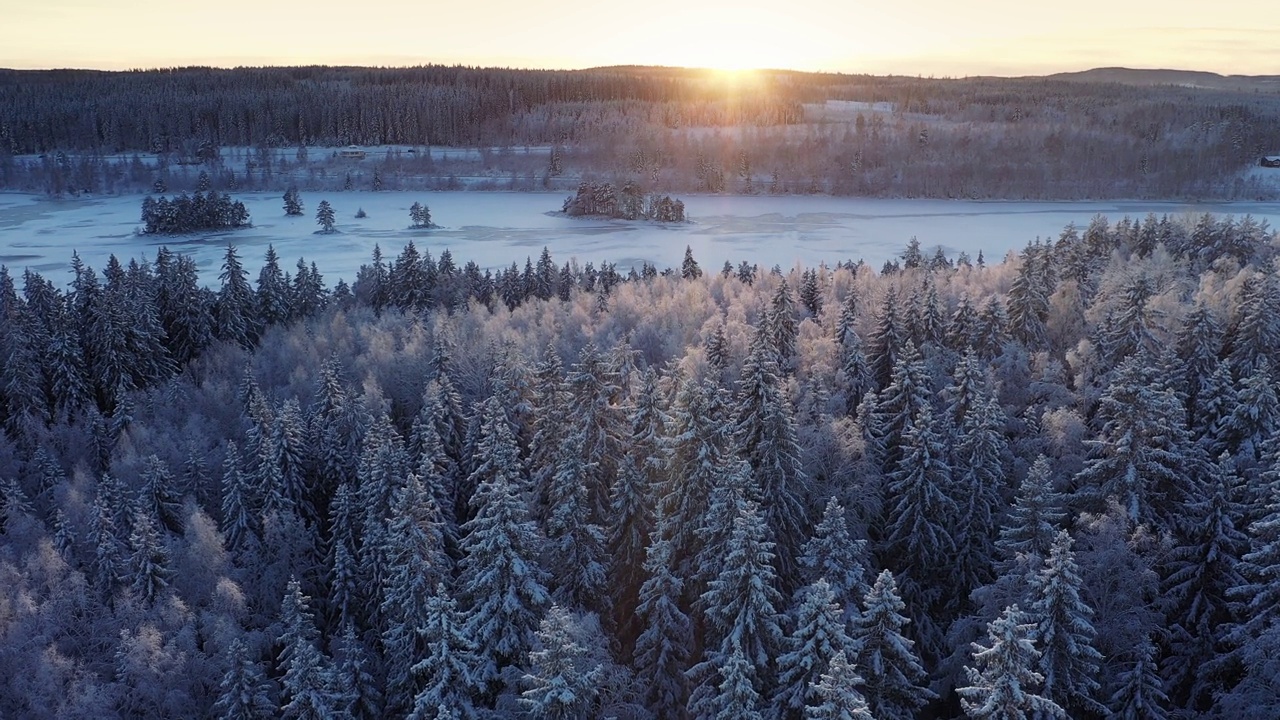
(560, 685)
(736, 697)
(689, 269)
(445, 672)
(354, 682)
(837, 693)
(835, 557)
(244, 692)
(238, 523)
(500, 575)
(662, 649)
(149, 563)
(1140, 692)
(307, 685)
(895, 680)
(818, 635)
(273, 291)
(324, 216)
(235, 309)
(1005, 684)
(1064, 631)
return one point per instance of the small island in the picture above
(604, 200)
(185, 214)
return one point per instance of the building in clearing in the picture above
(1270, 161)
(353, 152)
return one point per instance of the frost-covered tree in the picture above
(742, 610)
(292, 201)
(1198, 576)
(575, 546)
(244, 693)
(354, 680)
(324, 216)
(235, 308)
(765, 429)
(307, 684)
(834, 556)
(446, 671)
(662, 649)
(689, 269)
(1035, 518)
(780, 326)
(1004, 685)
(895, 681)
(819, 633)
(238, 520)
(1064, 631)
(149, 570)
(736, 697)
(500, 575)
(273, 291)
(1139, 693)
(837, 693)
(560, 684)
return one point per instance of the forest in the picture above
(663, 130)
(1045, 486)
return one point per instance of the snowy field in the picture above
(495, 229)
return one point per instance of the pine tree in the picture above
(324, 216)
(764, 428)
(238, 523)
(149, 564)
(306, 682)
(445, 670)
(899, 404)
(1004, 685)
(159, 494)
(273, 291)
(1064, 631)
(780, 325)
(837, 693)
(1140, 690)
(818, 636)
(689, 269)
(835, 557)
(1029, 298)
(599, 424)
(737, 698)
(741, 609)
(360, 697)
(979, 479)
(575, 546)
(1198, 576)
(662, 650)
(560, 685)
(235, 309)
(895, 680)
(244, 692)
(500, 575)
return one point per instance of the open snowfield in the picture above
(495, 229)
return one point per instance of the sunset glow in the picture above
(930, 37)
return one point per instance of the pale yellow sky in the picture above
(928, 37)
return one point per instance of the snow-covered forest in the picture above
(947, 487)
(663, 130)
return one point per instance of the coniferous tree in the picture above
(360, 698)
(559, 684)
(307, 685)
(818, 635)
(1035, 518)
(273, 292)
(765, 432)
(238, 523)
(1139, 691)
(662, 649)
(1198, 577)
(736, 697)
(575, 546)
(500, 577)
(837, 693)
(235, 309)
(324, 216)
(894, 679)
(834, 556)
(742, 614)
(1064, 631)
(244, 692)
(149, 564)
(292, 202)
(689, 269)
(445, 670)
(1004, 685)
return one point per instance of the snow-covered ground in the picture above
(496, 228)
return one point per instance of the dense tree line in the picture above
(663, 130)
(184, 214)
(1040, 487)
(604, 200)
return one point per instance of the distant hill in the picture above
(1184, 78)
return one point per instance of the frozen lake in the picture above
(495, 229)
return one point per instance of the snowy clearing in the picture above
(497, 228)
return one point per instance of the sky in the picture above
(943, 38)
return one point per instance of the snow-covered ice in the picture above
(495, 228)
